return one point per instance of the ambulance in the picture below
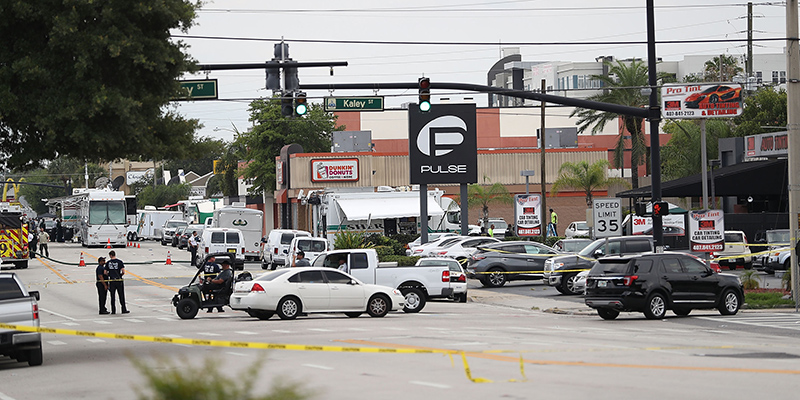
(13, 236)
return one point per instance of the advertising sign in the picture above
(528, 214)
(443, 146)
(767, 145)
(334, 170)
(279, 172)
(701, 101)
(607, 215)
(672, 224)
(707, 230)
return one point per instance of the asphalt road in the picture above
(526, 339)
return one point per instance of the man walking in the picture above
(554, 222)
(193, 248)
(102, 285)
(33, 241)
(115, 270)
(44, 238)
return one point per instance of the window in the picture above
(311, 277)
(269, 276)
(775, 77)
(232, 237)
(337, 277)
(643, 266)
(472, 243)
(304, 245)
(637, 246)
(783, 76)
(531, 249)
(613, 248)
(672, 266)
(9, 289)
(694, 266)
(759, 77)
(514, 248)
(358, 261)
(734, 237)
(107, 212)
(286, 238)
(218, 237)
(318, 246)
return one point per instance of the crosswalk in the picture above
(788, 321)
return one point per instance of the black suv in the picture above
(653, 283)
(562, 271)
(497, 263)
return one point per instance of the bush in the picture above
(384, 251)
(766, 298)
(402, 261)
(750, 280)
(350, 240)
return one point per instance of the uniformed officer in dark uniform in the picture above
(219, 281)
(115, 270)
(102, 285)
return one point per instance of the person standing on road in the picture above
(193, 248)
(44, 238)
(102, 285)
(115, 270)
(301, 260)
(491, 231)
(554, 222)
(33, 240)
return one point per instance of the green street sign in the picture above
(205, 89)
(373, 103)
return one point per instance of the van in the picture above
(276, 247)
(311, 246)
(221, 240)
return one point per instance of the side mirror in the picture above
(286, 252)
(598, 253)
(263, 240)
(34, 294)
(353, 282)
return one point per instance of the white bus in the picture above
(102, 218)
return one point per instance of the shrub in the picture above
(350, 240)
(750, 280)
(402, 261)
(384, 251)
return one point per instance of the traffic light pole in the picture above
(654, 116)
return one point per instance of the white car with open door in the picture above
(290, 292)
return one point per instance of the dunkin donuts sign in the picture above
(334, 170)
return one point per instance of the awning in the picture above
(363, 209)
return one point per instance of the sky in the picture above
(446, 40)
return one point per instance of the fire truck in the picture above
(13, 236)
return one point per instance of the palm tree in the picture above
(721, 69)
(625, 82)
(582, 176)
(478, 195)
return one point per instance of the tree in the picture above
(160, 195)
(272, 131)
(91, 80)
(765, 108)
(479, 195)
(586, 177)
(200, 156)
(61, 171)
(681, 156)
(624, 83)
(721, 69)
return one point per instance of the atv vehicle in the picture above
(190, 299)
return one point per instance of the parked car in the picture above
(736, 251)
(561, 271)
(580, 281)
(291, 292)
(168, 231)
(571, 245)
(497, 263)
(275, 247)
(577, 228)
(18, 306)
(221, 240)
(778, 259)
(458, 278)
(461, 249)
(653, 283)
(425, 249)
(177, 235)
(775, 239)
(432, 237)
(500, 227)
(310, 246)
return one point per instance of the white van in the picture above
(311, 246)
(221, 240)
(276, 247)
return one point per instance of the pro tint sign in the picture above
(701, 101)
(334, 170)
(442, 144)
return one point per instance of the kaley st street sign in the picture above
(205, 89)
(373, 103)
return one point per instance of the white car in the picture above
(736, 251)
(290, 292)
(275, 247)
(461, 248)
(458, 278)
(577, 228)
(434, 239)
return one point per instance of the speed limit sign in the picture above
(607, 215)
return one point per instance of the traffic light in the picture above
(273, 76)
(287, 104)
(640, 208)
(660, 208)
(290, 80)
(300, 103)
(424, 94)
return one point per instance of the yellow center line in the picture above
(55, 271)
(496, 357)
(145, 280)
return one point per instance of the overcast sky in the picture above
(246, 31)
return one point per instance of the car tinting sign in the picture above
(707, 230)
(527, 214)
(442, 144)
(701, 101)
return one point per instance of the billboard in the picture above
(442, 144)
(528, 214)
(701, 101)
(767, 145)
(707, 230)
(334, 170)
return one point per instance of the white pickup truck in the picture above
(417, 283)
(19, 307)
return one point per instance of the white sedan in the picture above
(290, 292)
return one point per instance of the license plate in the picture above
(602, 283)
(232, 251)
(237, 300)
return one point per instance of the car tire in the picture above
(353, 314)
(682, 312)
(415, 300)
(567, 285)
(656, 306)
(187, 308)
(264, 265)
(607, 313)
(378, 306)
(732, 267)
(35, 357)
(263, 315)
(289, 307)
(713, 99)
(461, 297)
(496, 278)
(729, 303)
(748, 265)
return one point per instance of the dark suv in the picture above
(653, 283)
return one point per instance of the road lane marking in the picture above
(134, 320)
(430, 384)
(96, 340)
(4, 396)
(57, 314)
(318, 367)
(56, 342)
(55, 271)
(246, 333)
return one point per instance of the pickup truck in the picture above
(417, 283)
(19, 307)
(573, 264)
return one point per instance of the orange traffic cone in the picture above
(81, 264)
(169, 258)
(108, 246)
(138, 246)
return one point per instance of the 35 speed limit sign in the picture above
(607, 215)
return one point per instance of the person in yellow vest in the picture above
(554, 222)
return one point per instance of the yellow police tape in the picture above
(259, 345)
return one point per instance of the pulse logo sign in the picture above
(443, 145)
(441, 136)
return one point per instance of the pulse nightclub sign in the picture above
(442, 144)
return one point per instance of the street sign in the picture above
(701, 101)
(607, 215)
(205, 89)
(373, 103)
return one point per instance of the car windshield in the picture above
(581, 226)
(781, 236)
(574, 246)
(589, 250)
(273, 274)
(449, 242)
(610, 268)
(172, 224)
(734, 237)
(286, 238)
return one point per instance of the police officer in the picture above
(192, 243)
(210, 269)
(102, 285)
(219, 281)
(115, 270)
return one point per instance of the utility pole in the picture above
(654, 116)
(793, 132)
(749, 62)
(542, 136)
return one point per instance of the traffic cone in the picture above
(82, 263)
(138, 246)
(108, 246)
(169, 258)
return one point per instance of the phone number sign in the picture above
(707, 230)
(607, 215)
(701, 101)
